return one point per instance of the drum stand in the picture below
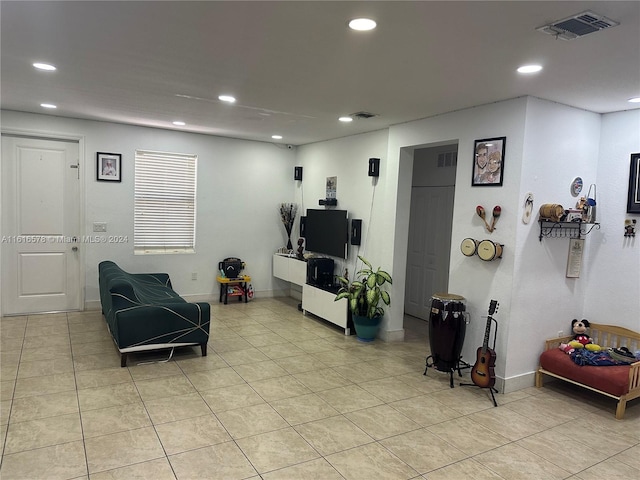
(491, 389)
(459, 366)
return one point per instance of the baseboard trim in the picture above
(518, 382)
(392, 336)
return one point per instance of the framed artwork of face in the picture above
(488, 162)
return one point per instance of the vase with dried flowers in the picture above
(288, 213)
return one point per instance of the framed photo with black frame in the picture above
(633, 199)
(488, 162)
(108, 167)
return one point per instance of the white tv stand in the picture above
(315, 300)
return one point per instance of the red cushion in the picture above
(610, 379)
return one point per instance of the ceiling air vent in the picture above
(363, 115)
(577, 26)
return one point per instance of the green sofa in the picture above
(143, 312)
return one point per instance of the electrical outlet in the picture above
(560, 333)
(194, 276)
(99, 227)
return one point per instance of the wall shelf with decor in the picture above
(551, 229)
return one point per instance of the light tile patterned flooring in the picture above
(283, 396)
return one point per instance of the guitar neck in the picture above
(487, 332)
(493, 306)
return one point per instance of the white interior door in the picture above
(429, 247)
(40, 225)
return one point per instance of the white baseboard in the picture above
(92, 305)
(519, 382)
(391, 336)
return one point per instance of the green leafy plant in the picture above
(365, 294)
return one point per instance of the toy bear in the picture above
(581, 339)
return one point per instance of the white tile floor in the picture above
(283, 396)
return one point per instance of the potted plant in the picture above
(365, 296)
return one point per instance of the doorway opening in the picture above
(430, 223)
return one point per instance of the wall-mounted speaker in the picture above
(356, 231)
(374, 167)
(303, 223)
(297, 173)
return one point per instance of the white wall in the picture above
(472, 278)
(361, 195)
(240, 185)
(560, 144)
(613, 287)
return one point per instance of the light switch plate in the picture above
(99, 227)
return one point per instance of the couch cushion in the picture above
(612, 379)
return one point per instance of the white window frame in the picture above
(165, 202)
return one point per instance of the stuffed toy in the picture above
(581, 338)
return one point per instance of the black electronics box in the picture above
(231, 267)
(320, 272)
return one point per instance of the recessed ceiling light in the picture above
(44, 66)
(48, 105)
(634, 100)
(179, 123)
(346, 119)
(529, 68)
(362, 24)
(276, 137)
(227, 98)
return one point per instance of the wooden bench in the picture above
(621, 382)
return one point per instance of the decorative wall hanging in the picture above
(630, 227)
(497, 210)
(488, 162)
(576, 186)
(488, 250)
(108, 167)
(528, 208)
(469, 247)
(574, 262)
(633, 199)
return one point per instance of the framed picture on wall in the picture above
(108, 167)
(488, 162)
(633, 199)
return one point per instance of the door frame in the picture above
(57, 136)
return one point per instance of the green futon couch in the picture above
(143, 312)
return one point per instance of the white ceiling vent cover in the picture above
(578, 25)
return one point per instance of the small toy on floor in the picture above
(581, 339)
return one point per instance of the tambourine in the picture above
(488, 250)
(468, 247)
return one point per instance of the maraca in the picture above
(497, 210)
(481, 213)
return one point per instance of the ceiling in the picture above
(295, 67)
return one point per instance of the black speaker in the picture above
(356, 231)
(297, 173)
(303, 224)
(374, 167)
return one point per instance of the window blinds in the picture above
(165, 202)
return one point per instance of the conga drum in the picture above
(447, 328)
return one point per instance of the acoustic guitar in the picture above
(482, 373)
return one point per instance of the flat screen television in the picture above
(327, 232)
